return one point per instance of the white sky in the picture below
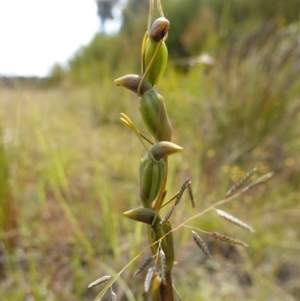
(35, 34)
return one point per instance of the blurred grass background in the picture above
(69, 168)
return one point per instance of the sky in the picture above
(36, 34)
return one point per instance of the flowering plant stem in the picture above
(154, 166)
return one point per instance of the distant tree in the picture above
(105, 8)
(134, 9)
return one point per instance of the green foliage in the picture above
(101, 57)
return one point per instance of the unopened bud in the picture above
(155, 116)
(155, 52)
(132, 81)
(159, 29)
(143, 215)
(163, 149)
(152, 174)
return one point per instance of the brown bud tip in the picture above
(132, 81)
(159, 29)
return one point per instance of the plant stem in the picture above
(166, 291)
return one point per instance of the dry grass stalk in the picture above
(143, 266)
(228, 239)
(201, 244)
(241, 182)
(230, 218)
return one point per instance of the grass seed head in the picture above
(143, 266)
(230, 218)
(201, 244)
(228, 239)
(148, 279)
(99, 281)
(163, 265)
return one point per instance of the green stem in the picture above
(166, 291)
(162, 194)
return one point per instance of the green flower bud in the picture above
(155, 52)
(143, 215)
(155, 116)
(163, 149)
(132, 81)
(152, 175)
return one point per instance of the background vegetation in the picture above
(69, 168)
